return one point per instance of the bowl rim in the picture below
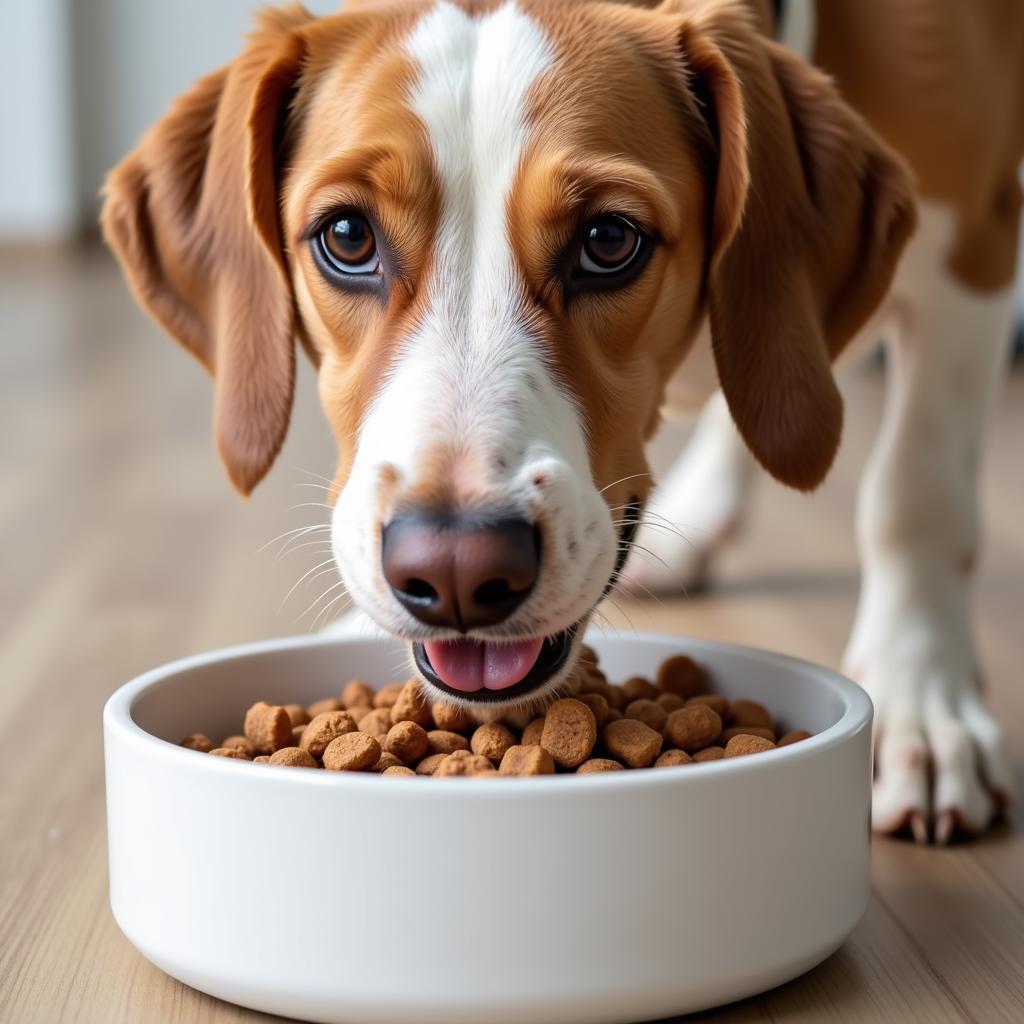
(118, 721)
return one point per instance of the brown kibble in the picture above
(715, 701)
(591, 680)
(429, 764)
(386, 761)
(450, 717)
(598, 704)
(236, 752)
(297, 714)
(614, 714)
(443, 741)
(638, 688)
(406, 740)
(376, 722)
(399, 769)
(532, 733)
(710, 754)
(357, 694)
(198, 741)
(297, 731)
(358, 712)
(386, 696)
(616, 697)
(351, 752)
(570, 732)
(588, 656)
(647, 711)
(682, 675)
(412, 706)
(693, 727)
(492, 740)
(532, 760)
(749, 712)
(740, 746)
(268, 727)
(261, 759)
(323, 729)
(672, 758)
(598, 764)
(319, 707)
(242, 743)
(632, 742)
(793, 737)
(463, 762)
(670, 701)
(293, 757)
(745, 730)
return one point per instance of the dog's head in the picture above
(496, 229)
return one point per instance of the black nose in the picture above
(460, 573)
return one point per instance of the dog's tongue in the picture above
(471, 665)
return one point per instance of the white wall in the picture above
(37, 172)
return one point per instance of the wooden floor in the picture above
(124, 548)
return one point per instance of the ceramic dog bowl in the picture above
(354, 898)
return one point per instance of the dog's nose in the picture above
(459, 573)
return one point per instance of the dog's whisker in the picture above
(305, 576)
(289, 533)
(622, 480)
(311, 504)
(329, 590)
(327, 480)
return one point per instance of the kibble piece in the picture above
(614, 714)
(745, 730)
(592, 680)
(598, 764)
(318, 707)
(198, 741)
(376, 723)
(569, 733)
(450, 717)
(386, 696)
(463, 762)
(351, 752)
(682, 675)
(693, 727)
(399, 769)
(794, 737)
(359, 712)
(242, 743)
(632, 742)
(268, 727)
(588, 656)
(715, 701)
(740, 746)
(617, 697)
(356, 693)
(323, 729)
(386, 761)
(647, 711)
(672, 758)
(443, 741)
(407, 741)
(236, 752)
(491, 740)
(532, 733)
(598, 704)
(429, 764)
(297, 714)
(749, 712)
(293, 757)
(710, 754)
(670, 701)
(297, 731)
(532, 760)
(261, 759)
(638, 688)
(412, 706)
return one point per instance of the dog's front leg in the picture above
(939, 758)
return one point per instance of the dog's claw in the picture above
(918, 828)
(945, 828)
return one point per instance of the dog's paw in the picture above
(941, 769)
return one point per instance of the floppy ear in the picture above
(192, 215)
(810, 214)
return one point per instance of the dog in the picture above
(508, 234)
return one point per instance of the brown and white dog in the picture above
(498, 230)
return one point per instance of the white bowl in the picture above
(355, 898)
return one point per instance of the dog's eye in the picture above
(348, 244)
(611, 244)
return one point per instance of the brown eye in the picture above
(610, 245)
(349, 245)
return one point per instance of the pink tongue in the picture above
(471, 665)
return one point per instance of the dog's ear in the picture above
(192, 215)
(810, 214)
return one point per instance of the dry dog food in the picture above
(674, 721)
